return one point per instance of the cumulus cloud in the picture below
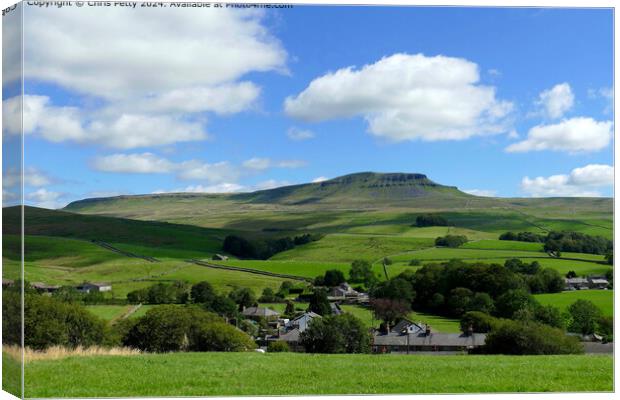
(45, 198)
(580, 182)
(406, 97)
(573, 135)
(218, 172)
(122, 131)
(260, 164)
(481, 192)
(145, 163)
(112, 53)
(148, 72)
(33, 177)
(555, 102)
(298, 134)
(319, 179)
(227, 187)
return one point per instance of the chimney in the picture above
(470, 330)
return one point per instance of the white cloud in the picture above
(112, 53)
(406, 97)
(581, 182)
(573, 135)
(298, 134)
(219, 172)
(44, 198)
(32, 177)
(593, 175)
(555, 102)
(319, 179)
(257, 163)
(261, 164)
(122, 131)
(222, 99)
(482, 192)
(219, 188)
(145, 163)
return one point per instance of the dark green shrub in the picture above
(336, 334)
(513, 337)
(278, 346)
(219, 336)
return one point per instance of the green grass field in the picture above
(237, 374)
(604, 299)
(109, 312)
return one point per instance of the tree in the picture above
(48, 321)
(68, 294)
(482, 302)
(390, 310)
(290, 309)
(219, 336)
(512, 301)
(167, 328)
(584, 315)
(319, 303)
(460, 300)
(202, 292)
(451, 240)
(478, 321)
(268, 296)
(430, 220)
(138, 296)
(609, 257)
(571, 274)
(361, 272)
(336, 334)
(333, 277)
(223, 306)
(278, 346)
(243, 297)
(395, 289)
(516, 337)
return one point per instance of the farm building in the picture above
(407, 336)
(292, 330)
(260, 312)
(219, 257)
(598, 282)
(88, 287)
(345, 292)
(44, 287)
(576, 284)
(591, 282)
(302, 322)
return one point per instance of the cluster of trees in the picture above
(576, 242)
(430, 220)
(361, 272)
(557, 242)
(536, 329)
(331, 278)
(336, 334)
(199, 293)
(523, 237)
(161, 293)
(451, 240)
(70, 294)
(263, 249)
(286, 288)
(454, 288)
(50, 322)
(182, 328)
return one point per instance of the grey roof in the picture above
(575, 281)
(259, 312)
(290, 336)
(434, 339)
(603, 281)
(309, 314)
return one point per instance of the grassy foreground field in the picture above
(209, 374)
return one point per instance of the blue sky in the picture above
(505, 102)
